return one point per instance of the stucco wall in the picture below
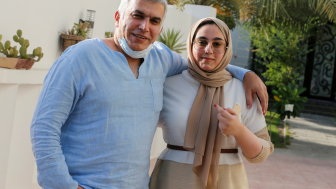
(41, 22)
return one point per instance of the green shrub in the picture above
(170, 38)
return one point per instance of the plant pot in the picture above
(16, 63)
(69, 40)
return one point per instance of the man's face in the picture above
(141, 24)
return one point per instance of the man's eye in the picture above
(137, 16)
(155, 22)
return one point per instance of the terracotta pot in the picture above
(16, 63)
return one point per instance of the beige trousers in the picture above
(173, 175)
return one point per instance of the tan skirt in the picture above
(173, 175)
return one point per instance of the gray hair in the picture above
(125, 3)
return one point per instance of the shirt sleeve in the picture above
(175, 62)
(57, 99)
(237, 72)
(255, 122)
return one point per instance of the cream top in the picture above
(178, 96)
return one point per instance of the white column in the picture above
(19, 92)
(7, 109)
(21, 160)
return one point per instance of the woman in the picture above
(202, 138)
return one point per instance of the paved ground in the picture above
(308, 163)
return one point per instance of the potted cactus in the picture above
(13, 59)
(75, 35)
(108, 34)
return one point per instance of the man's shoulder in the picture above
(161, 48)
(84, 47)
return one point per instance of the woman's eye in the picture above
(203, 43)
(217, 44)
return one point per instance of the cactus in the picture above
(78, 29)
(37, 52)
(108, 34)
(19, 33)
(7, 44)
(13, 52)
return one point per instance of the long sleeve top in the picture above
(178, 97)
(94, 121)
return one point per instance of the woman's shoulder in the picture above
(234, 86)
(181, 85)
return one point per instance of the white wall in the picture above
(199, 11)
(241, 48)
(40, 22)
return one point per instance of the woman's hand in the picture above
(79, 187)
(229, 122)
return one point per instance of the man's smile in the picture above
(140, 36)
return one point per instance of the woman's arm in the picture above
(229, 124)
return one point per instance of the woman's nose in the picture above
(208, 48)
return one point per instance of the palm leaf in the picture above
(170, 38)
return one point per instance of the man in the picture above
(100, 103)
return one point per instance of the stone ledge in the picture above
(32, 76)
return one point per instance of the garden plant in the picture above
(170, 38)
(13, 52)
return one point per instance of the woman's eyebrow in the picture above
(216, 38)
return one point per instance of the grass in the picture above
(276, 139)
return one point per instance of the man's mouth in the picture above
(140, 36)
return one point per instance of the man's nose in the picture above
(144, 24)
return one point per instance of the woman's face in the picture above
(207, 58)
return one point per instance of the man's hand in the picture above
(79, 187)
(254, 85)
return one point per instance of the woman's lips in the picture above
(207, 59)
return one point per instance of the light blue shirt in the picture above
(94, 122)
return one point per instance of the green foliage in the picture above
(108, 34)
(229, 21)
(181, 3)
(282, 48)
(170, 38)
(289, 94)
(10, 51)
(273, 121)
(296, 11)
(78, 29)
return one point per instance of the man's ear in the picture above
(117, 18)
(161, 30)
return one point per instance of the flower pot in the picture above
(69, 40)
(16, 63)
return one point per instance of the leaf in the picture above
(170, 38)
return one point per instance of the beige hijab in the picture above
(203, 135)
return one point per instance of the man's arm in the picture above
(252, 83)
(56, 101)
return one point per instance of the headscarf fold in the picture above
(203, 137)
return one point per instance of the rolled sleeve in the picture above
(267, 149)
(56, 101)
